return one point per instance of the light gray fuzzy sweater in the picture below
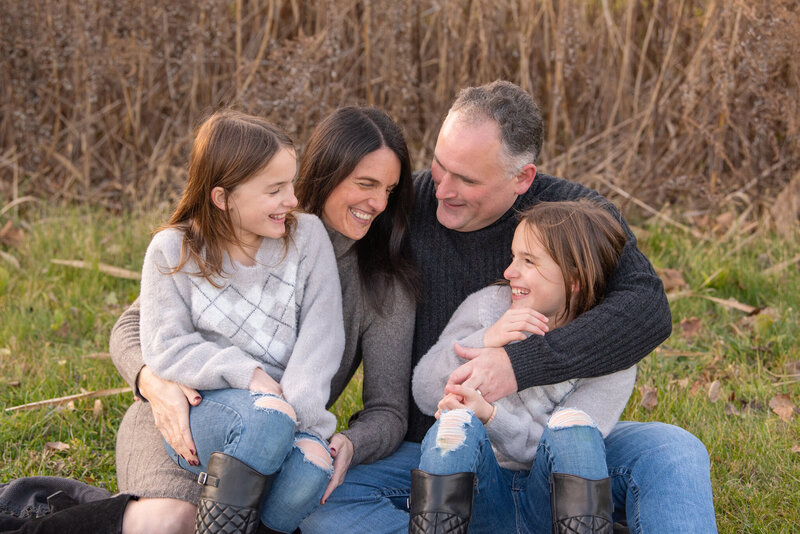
(521, 417)
(283, 314)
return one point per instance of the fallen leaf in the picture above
(690, 326)
(649, 397)
(11, 236)
(97, 410)
(795, 448)
(782, 405)
(724, 221)
(714, 391)
(793, 367)
(13, 384)
(71, 406)
(696, 385)
(681, 382)
(56, 446)
(731, 409)
(672, 279)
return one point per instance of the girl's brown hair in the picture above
(229, 148)
(585, 240)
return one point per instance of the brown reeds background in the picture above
(686, 102)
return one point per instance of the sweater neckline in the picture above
(341, 243)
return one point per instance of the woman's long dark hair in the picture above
(336, 146)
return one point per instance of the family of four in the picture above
(498, 313)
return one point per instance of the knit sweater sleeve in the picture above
(306, 382)
(377, 430)
(171, 345)
(125, 348)
(632, 319)
(434, 368)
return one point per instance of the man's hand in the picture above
(488, 371)
(512, 325)
(342, 452)
(170, 404)
(263, 383)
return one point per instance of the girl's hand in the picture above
(170, 404)
(458, 396)
(342, 453)
(512, 324)
(263, 383)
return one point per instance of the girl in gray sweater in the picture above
(545, 442)
(240, 300)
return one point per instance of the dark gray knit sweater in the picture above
(631, 321)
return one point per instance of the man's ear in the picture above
(525, 178)
(219, 198)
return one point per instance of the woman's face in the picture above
(536, 280)
(358, 199)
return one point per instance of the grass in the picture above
(54, 317)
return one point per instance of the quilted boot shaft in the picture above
(580, 505)
(229, 501)
(440, 504)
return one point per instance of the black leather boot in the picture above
(440, 504)
(229, 502)
(580, 505)
(99, 517)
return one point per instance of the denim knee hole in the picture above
(315, 453)
(567, 417)
(450, 435)
(274, 403)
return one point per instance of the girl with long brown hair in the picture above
(240, 300)
(547, 438)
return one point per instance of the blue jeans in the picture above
(228, 421)
(659, 482)
(514, 501)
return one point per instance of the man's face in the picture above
(472, 185)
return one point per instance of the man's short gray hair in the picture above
(515, 112)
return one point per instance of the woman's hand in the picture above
(512, 325)
(342, 452)
(263, 383)
(170, 404)
(457, 396)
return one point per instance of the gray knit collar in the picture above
(341, 243)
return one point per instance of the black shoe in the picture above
(229, 502)
(99, 517)
(440, 504)
(580, 505)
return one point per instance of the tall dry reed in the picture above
(683, 101)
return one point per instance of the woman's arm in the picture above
(378, 429)
(170, 401)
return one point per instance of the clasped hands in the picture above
(488, 369)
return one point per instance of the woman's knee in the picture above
(169, 516)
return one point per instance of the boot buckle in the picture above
(202, 478)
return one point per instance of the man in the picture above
(483, 172)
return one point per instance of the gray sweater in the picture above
(381, 341)
(283, 314)
(521, 417)
(632, 319)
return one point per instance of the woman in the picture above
(355, 175)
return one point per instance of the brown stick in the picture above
(63, 400)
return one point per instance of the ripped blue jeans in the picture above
(256, 429)
(507, 500)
